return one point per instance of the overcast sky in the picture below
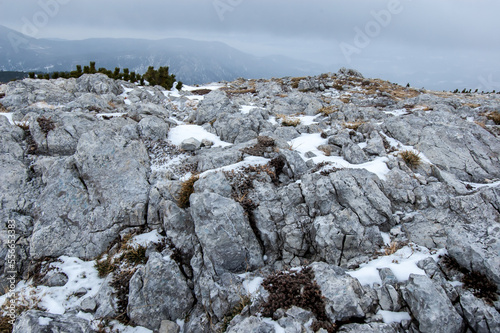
(439, 44)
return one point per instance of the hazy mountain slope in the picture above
(192, 61)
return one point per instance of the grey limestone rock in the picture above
(54, 279)
(473, 237)
(344, 296)
(158, 291)
(88, 305)
(168, 326)
(430, 306)
(252, 324)
(354, 154)
(98, 84)
(11, 138)
(481, 317)
(224, 232)
(214, 103)
(368, 328)
(153, 128)
(375, 145)
(190, 144)
(34, 321)
(454, 145)
(88, 198)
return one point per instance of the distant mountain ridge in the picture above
(192, 61)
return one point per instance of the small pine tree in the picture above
(133, 78)
(126, 74)
(116, 73)
(92, 67)
(31, 75)
(179, 85)
(86, 69)
(408, 85)
(79, 69)
(55, 75)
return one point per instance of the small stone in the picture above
(88, 305)
(206, 143)
(310, 154)
(168, 326)
(190, 144)
(55, 279)
(80, 292)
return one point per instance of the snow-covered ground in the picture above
(310, 143)
(182, 132)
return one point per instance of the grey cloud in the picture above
(423, 36)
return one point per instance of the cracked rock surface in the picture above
(159, 208)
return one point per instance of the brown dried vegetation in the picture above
(296, 288)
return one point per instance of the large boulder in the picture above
(158, 291)
(225, 234)
(98, 84)
(91, 196)
(430, 306)
(344, 296)
(452, 144)
(214, 103)
(34, 321)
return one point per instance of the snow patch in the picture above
(393, 317)
(253, 285)
(386, 237)
(400, 147)
(402, 263)
(245, 109)
(307, 120)
(8, 115)
(277, 327)
(182, 132)
(397, 113)
(310, 142)
(44, 321)
(248, 161)
(147, 238)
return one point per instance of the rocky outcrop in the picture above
(89, 170)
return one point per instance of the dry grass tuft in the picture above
(495, 116)
(327, 110)
(472, 105)
(16, 304)
(288, 121)
(187, 189)
(397, 92)
(296, 80)
(354, 125)
(411, 158)
(393, 248)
